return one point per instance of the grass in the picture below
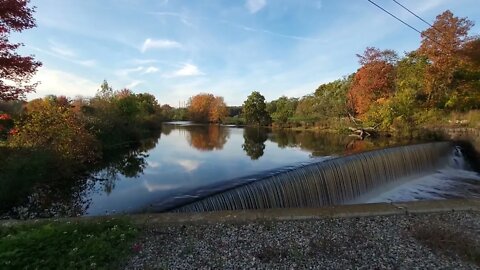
(448, 241)
(66, 245)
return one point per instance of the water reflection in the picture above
(254, 141)
(207, 137)
(128, 162)
(134, 177)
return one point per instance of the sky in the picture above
(175, 49)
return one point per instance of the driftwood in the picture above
(360, 134)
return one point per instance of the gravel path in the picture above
(427, 241)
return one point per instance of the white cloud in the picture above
(57, 82)
(87, 63)
(128, 71)
(186, 71)
(159, 44)
(188, 165)
(255, 6)
(61, 49)
(143, 61)
(133, 84)
(151, 69)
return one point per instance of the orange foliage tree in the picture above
(375, 80)
(440, 44)
(207, 108)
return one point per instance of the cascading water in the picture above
(351, 179)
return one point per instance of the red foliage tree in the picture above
(374, 80)
(15, 70)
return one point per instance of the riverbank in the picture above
(423, 234)
(415, 241)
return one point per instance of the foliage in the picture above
(206, 108)
(440, 44)
(254, 110)
(15, 16)
(47, 124)
(374, 80)
(22, 169)
(120, 117)
(66, 245)
(282, 109)
(180, 114)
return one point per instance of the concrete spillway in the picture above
(330, 182)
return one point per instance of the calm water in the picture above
(185, 157)
(188, 156)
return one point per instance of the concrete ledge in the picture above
(341, 211)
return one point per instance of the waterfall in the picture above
(330, 182)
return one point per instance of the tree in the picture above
(207, 108)
(440, 44)
(374, 80)
(254, 110)
(282, 109)
(15, 70)
(218, 110)
(46, 125)
(332, 97)
(105, 91)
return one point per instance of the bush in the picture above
(66, 245)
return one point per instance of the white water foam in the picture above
(455, 180)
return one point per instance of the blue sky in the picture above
(177, 48)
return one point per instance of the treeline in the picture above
(55, 139)
(423, 87)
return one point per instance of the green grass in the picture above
(66, 245)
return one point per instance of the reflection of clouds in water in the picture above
(153, 164)
(188, 164)
(157, 187)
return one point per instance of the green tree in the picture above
(282, 109)
(255, 110)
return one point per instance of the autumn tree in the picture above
(207, 108)
(218, 110)
(15, 70)
(47, 125)
(440, 44)
(255, 110)
(375, 80)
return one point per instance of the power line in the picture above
(413, 13)
(402, 21)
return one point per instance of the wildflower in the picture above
(5, 116)
(13, 131)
